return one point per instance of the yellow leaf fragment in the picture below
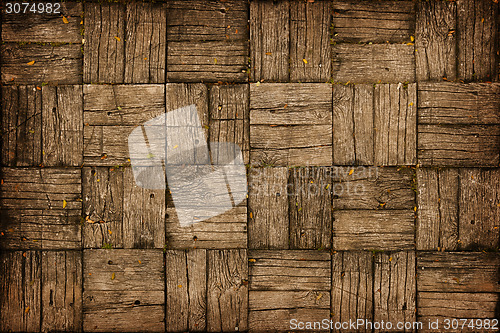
(412, 38)
(305, 61)
(27, 309)
(118, 38)
(180, 286)
(113, 276)
(251, 215)
(65, 20)
(31, 63)
(110, 232)
(411, 104)
(415, 208)
(252, 260)
(65, 203)
(350, 172)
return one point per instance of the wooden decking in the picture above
(371, 135)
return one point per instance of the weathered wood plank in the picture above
(477, 22)
(43, 27)
(373, 188)
(186, 290)
(377, 22)
(102, 206)
(229, 117)
(20, 291)
(353, 126)
(436, 40)
(227, 291)
(438, 207)
(395, 119)
(269, 40)
(122, 104)
(40, 208)
(352, 286)
(106, 145)
(123, 290)
(310, 208)
(61, 291)
(62, 130)
(268, 226)
(454, 272)
(458, 145)
(104, 48)
(455, 103)
(21, 124)
(310, 32)
(291, 124)
(179, 95)
(479, 213)
(59, 64)
(143, 214)
(373, 230)
(387, 63)
(296, 270)
(145, 58)
(394, 286)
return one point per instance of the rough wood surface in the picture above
(268, 225)
(309, 33)
(213, 46)
(61, 291)
(229, 117)
(106, 145)
(269, 40)
(227, 291)
(186, 290)
(310, 208)
(291, 124)
(386, 63)
(455, 103)
(477, 22)
(102, 190)
(394, 287)
(104, 48)
(62, 125)
(123, 290)
(54, 64)
(374, 125)
(377, 22)
(21, 126)
(436, 40)
(458, 145)
(373, 188)
(40, 208)
(373, 230)
(352, 286)
(43, 27)
(20, 291)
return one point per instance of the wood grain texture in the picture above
(269, 40)
(227, 291)
(229, 117)
(310, 207)
(352, 286)
(104, 48)
(290, 124)
(456, 103)
(62, 125)
(437, 219)
(268, 226)
(20, 291)
(436, 41)
(61, 291)
(123, 290)
(21, 126)
(34, 215)
(309, 33)
(292, 270)
(477, 22)
(373, 188)
(386, 63)
(373, 230)
(394, 287)
(59, 64)
(212, 47)
(377, 22)
(106, 145)
(102, 190)
(186, 290)
(458, 145)
(44, 27)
